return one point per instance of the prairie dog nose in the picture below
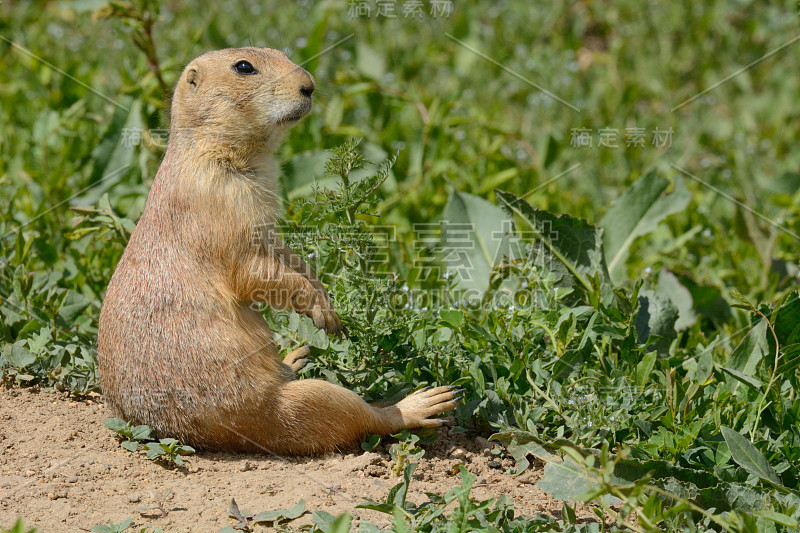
(307, 90)
(307, 84)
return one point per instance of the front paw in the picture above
(325, 317)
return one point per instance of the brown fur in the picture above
(181, 344)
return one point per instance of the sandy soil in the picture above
(62, 470)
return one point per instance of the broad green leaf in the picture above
(564, 480)
(707, 299)
(520, 444)
(787, 321)
(747, 456)
(571, 242)
(115, 424)
(672, 288)
(131, 445)
(324, 521)
(17, 356)
(657, 316)
(645, 368)
(296, 511)
(570, 362)
(475, 235)
(74, 305)
(452, 317)
(140, 432)
(750, 351)
(742, 377)
(778, 518)
(638, 212)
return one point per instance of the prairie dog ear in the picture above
(193, 77)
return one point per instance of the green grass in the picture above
(652, 341)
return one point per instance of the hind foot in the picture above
(417, 409)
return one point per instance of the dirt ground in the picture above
(61, 469)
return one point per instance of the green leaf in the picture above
(742, 377)
(645, 368)
(657, 316)
(638, 212)
(574, 243)
(370, 442)
(17, 356)
(520, 444)
(327, 523)
(750, 351)
(115, 424)
(292, 513)
(141, 432)
(154, 449)
(564, 480)
(787, 321)
(475, 237)
(130, 445)
(680, 296)
(747, 456)
(324, 521)
(778, 518)
(452, 317)
(74, 305)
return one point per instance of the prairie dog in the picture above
(181, 346)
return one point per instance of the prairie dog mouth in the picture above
(294, 115)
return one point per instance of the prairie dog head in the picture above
(239, 101)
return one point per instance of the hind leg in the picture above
(313, 416)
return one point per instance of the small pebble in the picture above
(134, 498)
(30, 473)
(459, 453)
(245, 466)
(73, 479)
(495, 464)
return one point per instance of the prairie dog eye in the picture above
(244, 67)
